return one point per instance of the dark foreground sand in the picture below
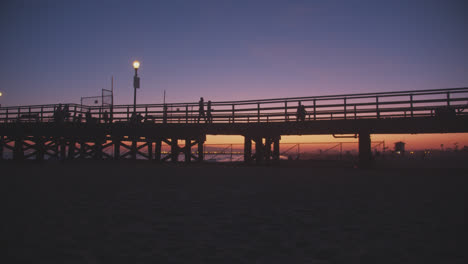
(108, 212)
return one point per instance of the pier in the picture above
(84, 132)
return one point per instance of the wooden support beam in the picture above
(71, 149)
(157, 150)
(82, 149)
(188, 150)
(63, 149)
(40, 149)
(267, 149)
(276, 149)
(98, 149)
(18, 153)
(247, 149)
(134, 149)
(201, 154)
(116, 142)
(259, 150)
(150, 149)
(365, 153)
(174, 150)
(2, 142)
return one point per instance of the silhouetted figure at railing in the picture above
(136, 118)
(59, 114)
(201, 110)
(66, 113)
(79, 118)
(209, 116)
(301, 112)
(88, 117)
(105, 117)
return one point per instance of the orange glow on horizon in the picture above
(413, 141)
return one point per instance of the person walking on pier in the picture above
(301, 112)
(88, 116)
(66, 113)
(201, 110)
(58, 114)
(209, 116)
(106, 117)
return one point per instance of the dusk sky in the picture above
(59, 51)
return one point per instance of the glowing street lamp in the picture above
(136, 84)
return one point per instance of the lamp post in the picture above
(136, 84)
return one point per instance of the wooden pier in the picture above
(116, 132)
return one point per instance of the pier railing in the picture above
(403, 104)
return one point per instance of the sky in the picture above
(57, 51)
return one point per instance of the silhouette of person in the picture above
(88, 116)
(201, 110)
(106, 117)
(58, 114)
(80, 117)
(164, 114)
(209, 116)
(66, 113)
(301, 112)
(134, 118)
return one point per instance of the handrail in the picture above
(349, 106)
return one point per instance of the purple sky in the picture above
(58, 51)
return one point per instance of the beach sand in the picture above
(140, 212)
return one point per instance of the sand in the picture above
(139, 212)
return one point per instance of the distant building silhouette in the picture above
(400, 148)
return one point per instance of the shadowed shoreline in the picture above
(124, 212)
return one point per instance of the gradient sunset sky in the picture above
(55, 51)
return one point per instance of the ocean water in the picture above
(138, 212)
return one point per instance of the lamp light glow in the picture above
(136, 64)
(1, 94)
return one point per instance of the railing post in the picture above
(286, 111)
(42, 113)
(6, 116)
(186, 114)
(345, 108)
(74, 113)
(128, 113)
(233, 113)
(355, 112)
(377, 106)
(315, 115)
(448, 98)
(411, 105)
(258, 112)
